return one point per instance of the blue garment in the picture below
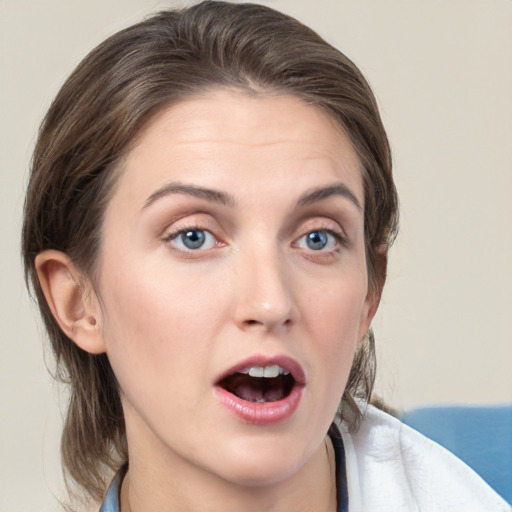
(111, 501)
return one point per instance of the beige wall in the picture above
(443, 74)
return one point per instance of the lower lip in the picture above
(257, 413)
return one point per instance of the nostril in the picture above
(267, 325)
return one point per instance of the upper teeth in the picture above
(265, 371)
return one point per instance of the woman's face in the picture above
(233, 284)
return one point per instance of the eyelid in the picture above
(329, 216)
(187, 220)
(324, 223)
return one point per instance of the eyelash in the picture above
(338, 236)
(171, 237)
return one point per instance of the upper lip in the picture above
(283, 361)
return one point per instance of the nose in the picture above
(265, 298)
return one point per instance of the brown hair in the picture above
(93, 121)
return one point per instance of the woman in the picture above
(206, 231)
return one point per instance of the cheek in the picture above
(335, 316)
(155, 323)
(338, 309)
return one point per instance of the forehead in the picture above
(229, 134)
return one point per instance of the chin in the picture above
(263, 463)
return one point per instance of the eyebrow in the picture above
(208, 194)
(216, 196)
(319, 194)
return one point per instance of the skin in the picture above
(173, 319)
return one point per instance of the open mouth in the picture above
(259, 384)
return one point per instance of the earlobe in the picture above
(71, 299)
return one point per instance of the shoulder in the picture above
(391, 467)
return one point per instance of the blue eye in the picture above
(193, 239)
(318, 240)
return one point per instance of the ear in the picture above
(71, 299)
(375, 287)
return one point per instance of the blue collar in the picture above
(111, 501)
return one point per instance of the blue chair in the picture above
(481, 436)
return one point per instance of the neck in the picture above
(160, 488)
